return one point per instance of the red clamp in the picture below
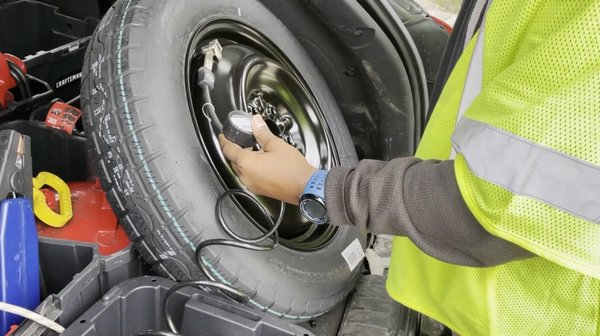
(63, 116)
(7, 81)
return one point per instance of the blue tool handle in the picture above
(19, 260)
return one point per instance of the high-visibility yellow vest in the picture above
(520, 115)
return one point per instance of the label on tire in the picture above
(353, 254)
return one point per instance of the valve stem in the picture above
(211, 51)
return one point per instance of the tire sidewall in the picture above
(183, 187)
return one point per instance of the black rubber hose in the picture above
(21, 79)
(237, 241)
(200, 284)
(19, 83)
(209, 110)
(28, 100)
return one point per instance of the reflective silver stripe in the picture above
(478, 9)
(529, 169)
(474, 79)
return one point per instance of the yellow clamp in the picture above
(40, 207)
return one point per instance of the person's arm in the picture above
(405, 197)
(419, 200)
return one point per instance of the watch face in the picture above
(314, 211)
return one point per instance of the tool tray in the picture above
(136, 305)
(73, 277)
(48, 28)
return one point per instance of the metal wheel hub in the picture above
(245, 77)
(278, 124)
(254, 76)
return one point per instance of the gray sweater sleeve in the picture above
(417, 199)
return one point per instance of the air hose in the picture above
(206, 83)
(21, 79)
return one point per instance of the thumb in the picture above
(262, 133)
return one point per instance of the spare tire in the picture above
(161, 165)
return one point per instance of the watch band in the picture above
(316, 184)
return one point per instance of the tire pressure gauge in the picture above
(238, 129)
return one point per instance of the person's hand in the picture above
(278, 171)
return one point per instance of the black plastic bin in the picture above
(135, 305)
(74, 277)
(32, 27)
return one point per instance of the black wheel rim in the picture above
(255, 76)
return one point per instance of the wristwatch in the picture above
(312, 201)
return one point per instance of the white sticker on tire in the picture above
(353, 254)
